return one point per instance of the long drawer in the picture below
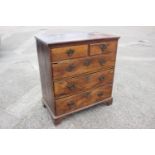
(70, 68)
(74, 102)
(76, 85)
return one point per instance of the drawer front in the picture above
(72, 103)
(83, 83)
(69, 68)
(63, 53)
(103, 47)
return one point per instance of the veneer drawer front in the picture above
(69, 52)
(69, 68)
(103, 47)
(79, 84)
(72, 103)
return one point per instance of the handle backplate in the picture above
(99, 94)
(103, 47)
(71, 104)
(101, 61)
(70, 52)
(70, 68)
(87, 62)
(71, 86)
(101, 78)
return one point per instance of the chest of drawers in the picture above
(76, 70)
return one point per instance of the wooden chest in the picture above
(77, 71)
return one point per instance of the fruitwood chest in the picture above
(76, 70)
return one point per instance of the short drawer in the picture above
(103, 47)
(79, 84)
(70, 68)
(75, 102)
(69, 52)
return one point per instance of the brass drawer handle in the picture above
(71, 86)
(87, 62)
(103, 47)
(87, 78)
(71, 105)
(99, 94)
(86, 95)
(70, 52)
(101, 78)
(70, 68)
(101, 61)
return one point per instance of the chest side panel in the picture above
(45, 74)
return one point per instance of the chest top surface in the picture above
(49, 38)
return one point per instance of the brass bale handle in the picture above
(99, 94)
(86, 95)
(87, 62)
(101, 61)
(101, 78)
(103, 47)
(87, 78)
(71, 86)
(70, 52)
(70, 68)
(71, 104)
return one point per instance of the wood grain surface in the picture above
(103, 47)
(69, 68)
(69, 52)
(74, 102)
(79, 84)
